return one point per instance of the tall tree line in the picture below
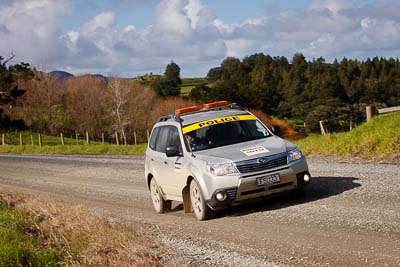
(309, 90)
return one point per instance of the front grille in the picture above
(261, 164)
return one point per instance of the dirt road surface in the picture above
(350, 216)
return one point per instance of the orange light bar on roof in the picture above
(216, 104)
(186, 110)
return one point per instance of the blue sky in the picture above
(132, 37)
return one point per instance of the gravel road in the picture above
(350, 216)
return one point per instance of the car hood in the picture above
(246, 150)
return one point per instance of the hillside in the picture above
(60, 75)
(377, 139)
(189, 83)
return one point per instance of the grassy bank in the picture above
(18, 247)
(377, 139)
(36, 232)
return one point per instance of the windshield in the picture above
(224, 134)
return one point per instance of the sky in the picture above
(127, 38)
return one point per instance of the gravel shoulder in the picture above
(350, 216)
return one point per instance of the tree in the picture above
(214, 74)
(200, 92)
(119, 99)
(164, 87)
(172, 73)
(41, 107)
(9, 89)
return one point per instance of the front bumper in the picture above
(248, 190)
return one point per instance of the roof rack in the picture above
(170, 117)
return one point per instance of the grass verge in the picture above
(377, 139)
(92, 149)
(35, 232)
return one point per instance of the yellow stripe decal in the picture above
(202, 124)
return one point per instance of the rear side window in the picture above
(153, 139)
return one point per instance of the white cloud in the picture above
(29, 28)
(190, 33)
(102, 21)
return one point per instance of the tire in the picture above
(160, 205)
(200, 208)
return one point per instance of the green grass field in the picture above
(377, 139)
(52, 145)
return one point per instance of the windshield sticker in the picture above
(250, 151)
(202, 124)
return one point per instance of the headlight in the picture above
(222, 169)
(295, 154)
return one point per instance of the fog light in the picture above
(221, 196)
(306, 178)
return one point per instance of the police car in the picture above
(217, 155)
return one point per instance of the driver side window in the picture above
(168, 136)
(162, 139)
(174, 138)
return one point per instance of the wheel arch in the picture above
(148, 179)
(187, 203)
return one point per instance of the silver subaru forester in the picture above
(216, 156)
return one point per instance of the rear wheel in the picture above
(200, 208)
(160, 205)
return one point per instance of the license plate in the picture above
(269, 179)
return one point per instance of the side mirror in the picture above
(173, 151)
(276, 130)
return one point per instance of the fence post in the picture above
(116, 138)
(102, 138)
(21, 141)
(134, 137)
(77, 138)
(321, 125)
(32, 139)
(148, 135)
(40, 140)
(62, 138)
(87, 138)
(3, 139)
(369, 113)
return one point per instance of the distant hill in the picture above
(60, 75)
(63, 75)
(99, 76)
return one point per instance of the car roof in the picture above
(208, 115)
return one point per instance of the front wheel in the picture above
(200, 208)
(160, 205)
